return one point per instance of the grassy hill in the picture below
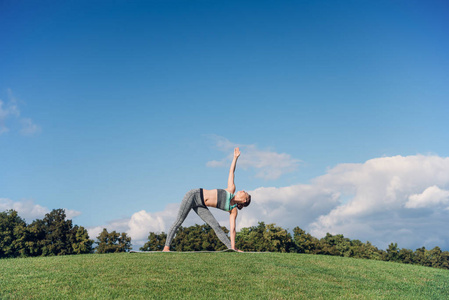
(216, 276)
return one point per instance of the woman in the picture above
(200, 199)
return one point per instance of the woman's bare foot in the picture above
(166, 249)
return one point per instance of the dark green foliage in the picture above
(392, 252)
(36, 239)
(193, 238)
(338, 245)
(57, 233)
(53, 235)
(197, 238)
(438, 258)
(335, 245)
(366, 250)
(305, 242)
(421, 256)
(61, 237)
(263, 238)
(11, 233)
(155, 242)
(113, 242)
(79, 239)
(406, 256)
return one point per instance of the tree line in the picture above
(272, 238)
(54, 235)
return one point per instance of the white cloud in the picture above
(94, 232)
(268, 164)
(381, 193)
(431, 197)
(116, 225)
(31, 211)
(27, 209)
(290, 206)
(71, 214)
(10, 115)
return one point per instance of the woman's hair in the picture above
(242, 205)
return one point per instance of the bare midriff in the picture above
(210, 197)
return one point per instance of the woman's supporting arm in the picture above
(231, 185)
(232, 225)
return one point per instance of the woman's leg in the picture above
(207, 217)
(184, 210)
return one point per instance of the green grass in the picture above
(216, 276)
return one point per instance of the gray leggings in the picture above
(194, 200)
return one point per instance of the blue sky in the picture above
(113, 108)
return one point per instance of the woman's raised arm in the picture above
(231, 185)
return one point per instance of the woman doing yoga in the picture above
(200, 199)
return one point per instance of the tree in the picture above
(23, 238)
(328, 245)
(262, 238)
(280, 239)
(421, 257)
(113, 242)
(79, 239)
(252, 239)
(11, 233)
(54, 235)
(438, 258)
(371, 252)
(444, 260)
(156, 242)
(392, 252)
(197, 238)
(305, 242)
(406, 256)
(36, 239)
(57, 234)
(124, 242)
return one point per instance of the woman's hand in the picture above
(236, 152)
